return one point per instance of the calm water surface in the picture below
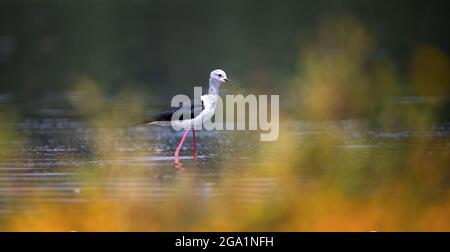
(57, 155)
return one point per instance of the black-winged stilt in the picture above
(199, 111)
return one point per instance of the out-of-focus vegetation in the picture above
(376, 70)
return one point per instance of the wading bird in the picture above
(199, 111)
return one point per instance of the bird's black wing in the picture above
(166, 116)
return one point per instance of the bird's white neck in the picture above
(214, 86)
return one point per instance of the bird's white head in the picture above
(217, 78)
(218, 75)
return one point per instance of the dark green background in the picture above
(165, 47)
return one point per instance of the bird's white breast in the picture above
(210, 104)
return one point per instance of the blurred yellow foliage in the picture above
(430, 70)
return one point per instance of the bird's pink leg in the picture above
(194, 143)
(177, 151)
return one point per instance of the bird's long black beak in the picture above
(234, 84)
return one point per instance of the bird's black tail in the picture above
(141, 123)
